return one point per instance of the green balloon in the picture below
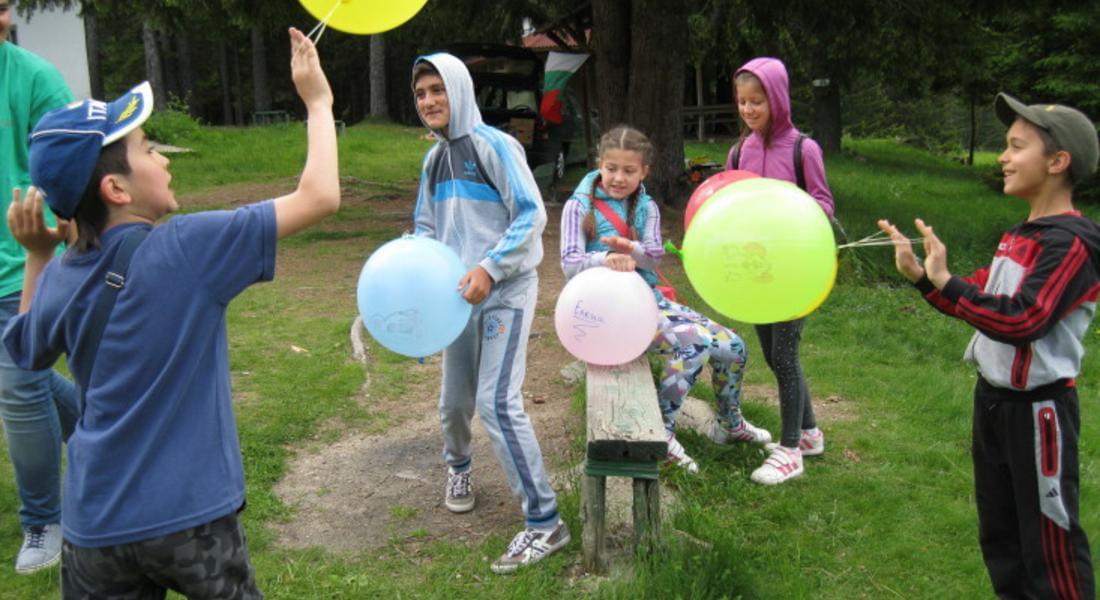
(761, 251)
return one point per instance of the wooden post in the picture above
(699, 97)
(593, 522)
(647, 513)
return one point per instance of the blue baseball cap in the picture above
(66, 142)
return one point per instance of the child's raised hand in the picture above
(618, 244)
(935, 256)
(305, 70)
(619, 262)
(28, 225)
(904, 258)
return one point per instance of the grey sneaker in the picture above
(460, 492)
(530, 546)
(41, 548)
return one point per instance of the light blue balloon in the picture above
(408, 296)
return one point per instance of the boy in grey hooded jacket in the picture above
(478, 197)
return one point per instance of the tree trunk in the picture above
(261, 89)
(238, 89)
(611, 50)
(656, 92)
(153, 68)
(91, 47)
(973, 131)
(224, 79)
(169, 65)
(379, 108)
(826, 117)
(187, 71)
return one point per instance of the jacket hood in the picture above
(772, 74)
(465, 115)
(1084, 228)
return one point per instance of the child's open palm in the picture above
(305, 70)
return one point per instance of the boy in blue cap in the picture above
(1032, 308)
(155, 479)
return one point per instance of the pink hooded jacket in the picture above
(775, 157)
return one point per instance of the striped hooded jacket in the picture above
(1032, 306)
(477, 194)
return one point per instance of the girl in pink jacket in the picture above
(773, 147)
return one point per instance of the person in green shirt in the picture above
(38, 408)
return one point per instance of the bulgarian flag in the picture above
(560, 66)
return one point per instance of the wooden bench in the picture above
(698, 118)
(270, 117)
(626, 438)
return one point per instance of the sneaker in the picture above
(782, 465)
(812, 442)
(678, 456)
(745, 432)
(460, 492)
(530, 546)
(41, 548)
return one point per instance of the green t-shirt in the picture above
(29, 88)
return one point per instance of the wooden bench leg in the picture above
(647, 512)
(593, 522)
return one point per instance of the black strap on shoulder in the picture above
(114, 281)
(799, 175)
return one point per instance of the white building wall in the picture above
(57, 36)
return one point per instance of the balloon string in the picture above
(321, 25)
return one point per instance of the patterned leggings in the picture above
(685, 341)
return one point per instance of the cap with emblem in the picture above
(66, 142)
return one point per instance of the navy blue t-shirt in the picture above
(156, 449)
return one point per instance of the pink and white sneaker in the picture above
(678, 456)
(812, 442)
(783, 464)
(747, 432)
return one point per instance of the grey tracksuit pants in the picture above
(484, 368)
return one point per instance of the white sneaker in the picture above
(41, 548)
(812, 442)
(745, 432)
(783, 464)
(530, 546)
(678, 456)
(460, 492)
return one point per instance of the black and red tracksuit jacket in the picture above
(1033, 305)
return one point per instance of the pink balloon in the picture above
(707, 188)
(606, 317)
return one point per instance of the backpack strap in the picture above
(612, 217)
(85, 352)
(733, 159)
(799, 176)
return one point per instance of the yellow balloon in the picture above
(761, 251)
(364, 16)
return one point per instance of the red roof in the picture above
(541, 41)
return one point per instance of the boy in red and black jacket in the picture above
(1032, 308)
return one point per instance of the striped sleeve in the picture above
(1061, 279)
(521, 196)
(648, 251)
(574, 258)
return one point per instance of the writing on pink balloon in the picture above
(583, 320)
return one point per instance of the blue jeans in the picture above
(39, 409)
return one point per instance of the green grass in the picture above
(887, 512)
